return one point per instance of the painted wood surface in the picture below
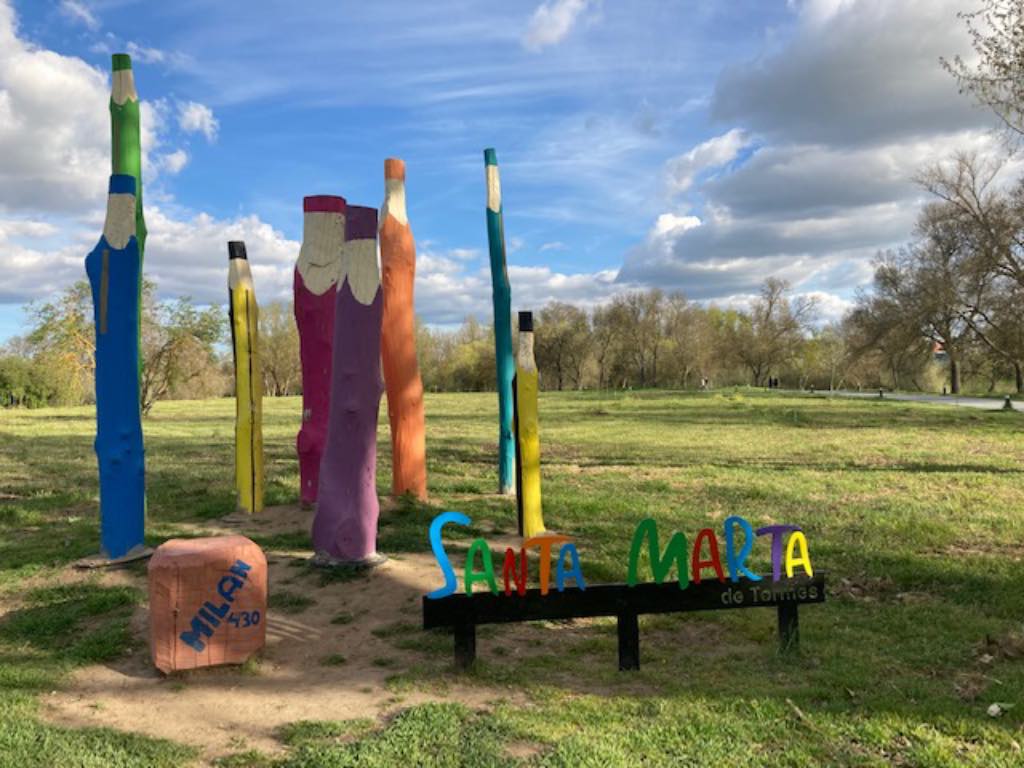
(244, 316)
(315, 289)
(502, 298)
(113, 270)
(528, 431)
(345, 524)
(126, 152)
(398, 339)
(625, 602)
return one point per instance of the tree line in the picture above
(945, 312)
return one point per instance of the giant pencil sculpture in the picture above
(113, 268)
(315, 290)
(345, 524)
(531, 520)
(248, 381)
(398, 339)
(502, 295)
(126, 152)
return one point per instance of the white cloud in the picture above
(145, 55)
(713, 153)
(188, 255)
(172, 162)
(79, 12)
(817, 12)
(194, 117)
(857, 72)
(185, 255)
(828, 308)
(556, 245)
(26, 228)
(55, 105)
(59, 192)
(671, 224)
(53, 197)
(447, 291)
(838, 118)
(551, 22)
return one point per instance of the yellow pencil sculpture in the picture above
(531, 520)
(248, 381)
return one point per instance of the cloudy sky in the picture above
(694, 145)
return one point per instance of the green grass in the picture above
(289, 602)
(916, 511)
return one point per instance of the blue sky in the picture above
(692, 145)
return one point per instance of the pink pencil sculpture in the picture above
(345, 525)
(315, 290)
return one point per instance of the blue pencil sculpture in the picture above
(114, 269)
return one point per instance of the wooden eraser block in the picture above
(207, 602)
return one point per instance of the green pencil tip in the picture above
(121, 61)
(490, 157)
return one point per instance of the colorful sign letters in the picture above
(789, 552)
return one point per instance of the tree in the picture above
(770, 335)
(834, 355)
(563, 344)
(997, 79)
(62, 342)
(688, 339)
(883, 349)
(990, 218)
(279, 349)
(178, 345)
(922, 287)
(999, 324)
(639, 315)
(605, 337)
(969, 184)
(469, 367)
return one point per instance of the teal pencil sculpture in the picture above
(502, 295)
(113, 269)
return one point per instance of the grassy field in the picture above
(915, 511)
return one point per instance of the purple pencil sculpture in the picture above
(345, 524)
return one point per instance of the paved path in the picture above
(985, 403)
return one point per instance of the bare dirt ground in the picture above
(230, 709)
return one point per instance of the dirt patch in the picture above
(315, 666)
(340, 649)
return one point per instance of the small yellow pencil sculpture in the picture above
(248, 381)
(531, 521)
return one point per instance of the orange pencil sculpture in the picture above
(398, 339)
